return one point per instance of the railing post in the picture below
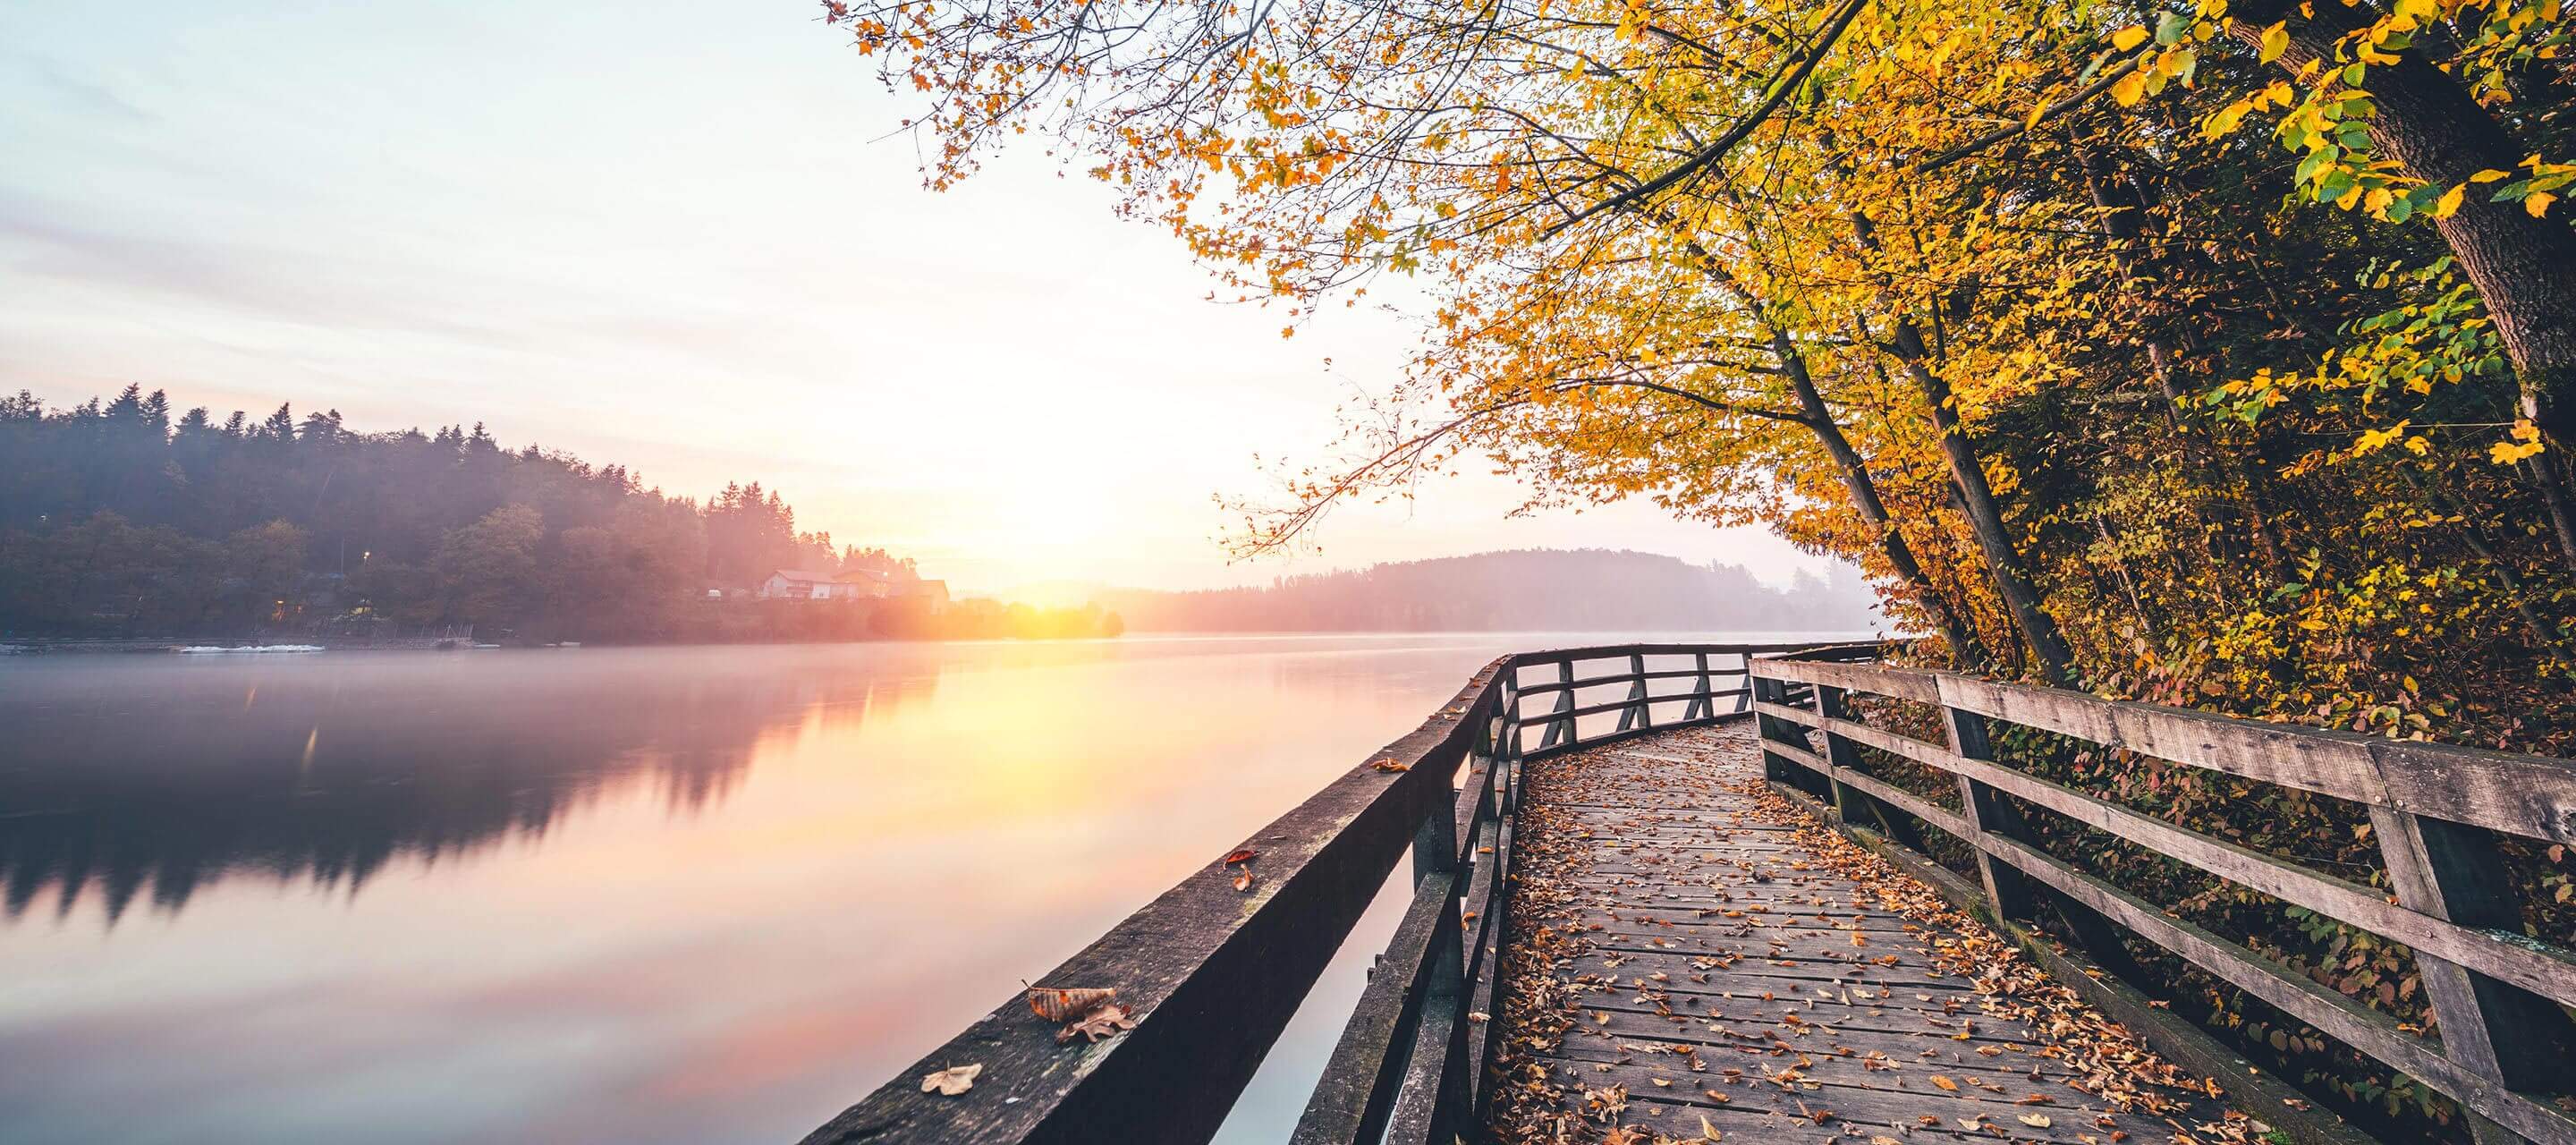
(1435, 842)
(1772, 729)
(1744, 701)
(1562, 727)
(1985, 811)
(1703, 705)
(1834, 704)
(1444, 1017)
(1640, 712)
(2500, 1032)
(1826, 703)
(2010, 893)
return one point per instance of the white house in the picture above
(807, 584)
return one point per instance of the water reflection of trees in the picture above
(175, 777)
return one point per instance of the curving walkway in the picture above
(1693, 956)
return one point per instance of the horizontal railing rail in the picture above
(2499, 998)
(1210, 975)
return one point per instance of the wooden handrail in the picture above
(1212, 975)
(2435, 809)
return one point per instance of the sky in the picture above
(678, 236)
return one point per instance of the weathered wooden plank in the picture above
(1810, 942)
(2524, 795)
(1799, 997)
(1726, 995)
(1789, 751)
(1554, 731)
(1361, 1080)
(1780, 711)
(1866, 1058)
(1433, 1095)
(2365, 1030)
(2500, 1033)
(1981, 810)
(1900, 683)
(1485, 970)
(1762, 1112)
(2328, 763)
(1904, 1037)
(2531, 796)
(1790, 1113)
(2498, 952)
(1626, 677)
(1564, 716)
(2290, 1112)
(1621, 651)
(1908, 802)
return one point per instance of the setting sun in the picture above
(1370, 572)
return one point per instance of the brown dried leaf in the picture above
(953, 1081)
(1104, 1022)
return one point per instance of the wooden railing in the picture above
(2496, 994)
(1212, 974)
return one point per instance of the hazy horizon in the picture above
(649, 235)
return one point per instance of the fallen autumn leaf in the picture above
(952, 1081)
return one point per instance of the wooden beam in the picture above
(1982, 810)
(2502, 1033)
(2497, 949)
(1901, 683)
(2368, 1031)
(1210, 974)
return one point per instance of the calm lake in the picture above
(622, 895)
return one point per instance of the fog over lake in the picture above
(621, 895)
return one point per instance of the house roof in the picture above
(855, 576)
(807, 576)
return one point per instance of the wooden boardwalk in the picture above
(1620, 932)
(1691, 955)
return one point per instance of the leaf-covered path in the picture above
(1695, 957)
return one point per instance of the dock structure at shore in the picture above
(1781, 893)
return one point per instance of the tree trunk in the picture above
(1976, 496)
(1865, 501)
(1820, 420)
(2550, 475)
(2428, 124)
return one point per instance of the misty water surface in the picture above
(619, 895)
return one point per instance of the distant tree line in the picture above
(1526, 590)
(118, 518)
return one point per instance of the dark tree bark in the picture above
(1819, 419)
(1866, 502)
(1977, 498)
(2520, 265)
(1968, 479)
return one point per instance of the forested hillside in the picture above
(120, 518)
(1529, 590)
